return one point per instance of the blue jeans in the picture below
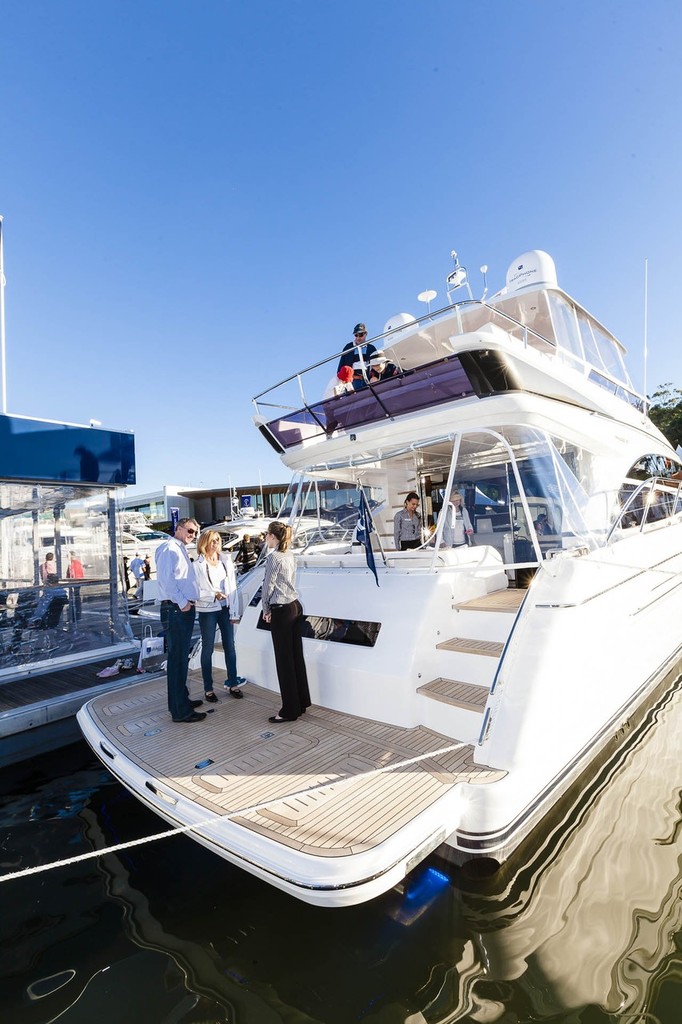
(177, 627)
(208, 621)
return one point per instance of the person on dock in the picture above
(178, 592)
(48, 570)
(283, 611)
(75, 571)
(125, 574)
(247, 555)
(137, 569)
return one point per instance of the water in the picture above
(588, 933)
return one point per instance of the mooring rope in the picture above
(218, 819)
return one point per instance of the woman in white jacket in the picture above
(457, 522)
(218, 606)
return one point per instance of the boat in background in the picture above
(460, 692)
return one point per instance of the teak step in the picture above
(498, 601)
(451, 691)
(464, 645)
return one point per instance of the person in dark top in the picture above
(541, 525)
(282, 610)
(247, 556)
(351, 358)
(380, 368)
(126, 573)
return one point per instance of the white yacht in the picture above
(459, 693)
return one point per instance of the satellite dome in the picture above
(399, 320)
(532, 269)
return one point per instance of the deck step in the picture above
(452, 691)
(465, 645)
(498, 601)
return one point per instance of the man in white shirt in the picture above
(178, 592)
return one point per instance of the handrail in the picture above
(431, 318)
(529, 336)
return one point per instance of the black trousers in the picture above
(285, 626)
(409, 545)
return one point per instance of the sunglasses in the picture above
(190, 531)
(361, 334)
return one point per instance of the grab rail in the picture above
(438, 316)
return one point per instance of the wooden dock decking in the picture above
(254, 762)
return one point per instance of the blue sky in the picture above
(201, 197)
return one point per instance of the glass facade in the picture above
(61, 593)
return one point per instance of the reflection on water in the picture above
(167, 932)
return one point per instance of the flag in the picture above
(363, 533)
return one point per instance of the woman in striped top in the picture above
(407, 524)
(282, 609)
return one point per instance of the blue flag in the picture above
(363, 533)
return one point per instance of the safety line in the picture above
(218, 819)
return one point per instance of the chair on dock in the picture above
(36, 628)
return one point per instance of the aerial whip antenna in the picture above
(646, 327)
(3, 366)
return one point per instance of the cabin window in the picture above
(566, 326)
(355, 632)
(653, 465)
(610, 355)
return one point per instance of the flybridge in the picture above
(436, 366)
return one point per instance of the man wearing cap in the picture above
(356, 356)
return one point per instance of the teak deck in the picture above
(254, 762)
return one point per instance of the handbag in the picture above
(152, 654)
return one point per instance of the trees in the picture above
(666, 412)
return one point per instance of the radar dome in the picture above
(531, 269)
(399, 320)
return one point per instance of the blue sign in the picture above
(61, 453)
(175, 516)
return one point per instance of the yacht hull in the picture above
(335, 808)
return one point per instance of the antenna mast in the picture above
(646, 328)
(3, 365)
